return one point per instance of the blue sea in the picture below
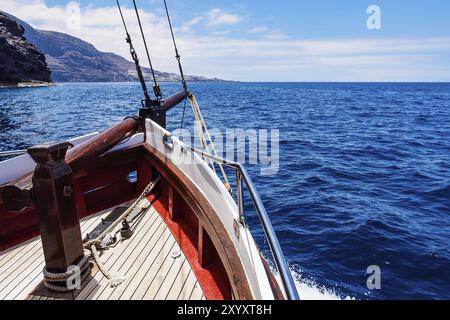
(364, 173)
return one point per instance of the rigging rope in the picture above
(202, 129)
(156, 87)
(177, 55)
(134, 56)
(206, 139)
(184, 115)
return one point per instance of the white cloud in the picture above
(220, 33)
(212, 19)
(265, 55)
(217, 17)
(100, 26)
(259, 29)
(186, 27)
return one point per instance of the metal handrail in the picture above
(277, 253)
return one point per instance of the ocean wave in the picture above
(310, 289)
(362, 180)
(439, 192)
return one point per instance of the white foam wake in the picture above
(310, 290)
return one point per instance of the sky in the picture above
(266, 40)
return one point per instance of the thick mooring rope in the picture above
(59, 281)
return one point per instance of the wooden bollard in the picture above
(53, 191)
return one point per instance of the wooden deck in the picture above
(144, 260)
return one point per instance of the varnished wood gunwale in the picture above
(86, 152)
(77, 158)
(16, 228)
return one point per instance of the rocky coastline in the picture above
(21, 63)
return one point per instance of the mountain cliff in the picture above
(73, 60)
(20, 61)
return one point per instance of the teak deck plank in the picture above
(162, 266)
(169, 280)
(145, 260)
(109, 257)
(115, 265)
(26, 271)
(197, 293)
(188, 286)
(34, 276)
(140, 269)
(136, 259)
(171, 288)
(16, 252)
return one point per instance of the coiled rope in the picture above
(59, 281)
